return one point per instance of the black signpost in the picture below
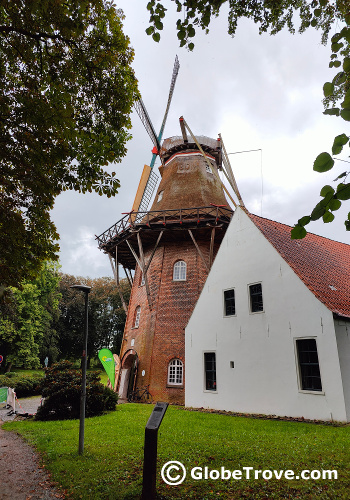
(150, 451)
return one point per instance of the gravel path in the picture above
(21, 477)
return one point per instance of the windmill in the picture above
(170, 247)
(149, 179)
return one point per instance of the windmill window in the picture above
(179, 271)
(210, 371)
(309, 368)
(142, 279)
(137, 317)
(229, 302)
(256, 298)
(208, 169)
(160, 196)
(175, 372)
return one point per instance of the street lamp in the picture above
(86, 289)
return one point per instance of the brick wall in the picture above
(160, 336)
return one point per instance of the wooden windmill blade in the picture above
(149, 179)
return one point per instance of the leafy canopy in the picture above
(66, 92)
(271, 16)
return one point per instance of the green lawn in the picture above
(111, 467)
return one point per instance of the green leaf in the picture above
(336, 46)
(298, 232)
(158, 23)
(150, 30)
(338, 143)
(343, 191)
(317, 12)
(328, 217)
(318, 211)
(345, 114)
(304, 220)
(323, 162)
(334, 204)
(156, 37)
(346, 64)
(326, 190)
(347, 225)
(328, 89)
(150, 4)
(339, 78)
(332, 111)
(191, 46)
(346, 102)
(336, 64)
(344, 174)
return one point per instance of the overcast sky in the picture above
(259, 91)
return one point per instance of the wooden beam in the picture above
(153, 251)
(134, 253)
(199, 250)
(143, 269)
(130, 280)
(116, 278)
(211, 249)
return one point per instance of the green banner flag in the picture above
(106, 358)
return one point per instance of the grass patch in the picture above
(111, 467)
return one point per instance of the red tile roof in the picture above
(322, 264)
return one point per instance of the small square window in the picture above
(229, 300)
(256, 298)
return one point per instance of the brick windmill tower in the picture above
(167, 253)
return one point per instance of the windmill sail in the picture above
(149, 179)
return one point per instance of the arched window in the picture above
(175, 372)
(137, 317)
(179, 272)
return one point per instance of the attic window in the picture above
(160, 196)
(208, 169)
(332, 288)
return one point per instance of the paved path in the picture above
(21, 477)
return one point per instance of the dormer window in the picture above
(160, 196)
(208, 169)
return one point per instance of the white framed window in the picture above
(256, 303)
(137, 317)
(229, 302)
(210, 371)
(175, 372)
(179, 271)
(308, 365)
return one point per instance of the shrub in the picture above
(61, 389)
(23, 385)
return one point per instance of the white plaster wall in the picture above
(342, 330)
(261, 345)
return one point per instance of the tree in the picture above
(106, 316)
(66, 92)
(27, 315)
(272, 16)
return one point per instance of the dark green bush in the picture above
(23, 385)
(61, 389)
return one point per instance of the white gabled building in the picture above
(270, 333)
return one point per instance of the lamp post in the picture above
(86, 289)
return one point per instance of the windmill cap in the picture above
(176, 143)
